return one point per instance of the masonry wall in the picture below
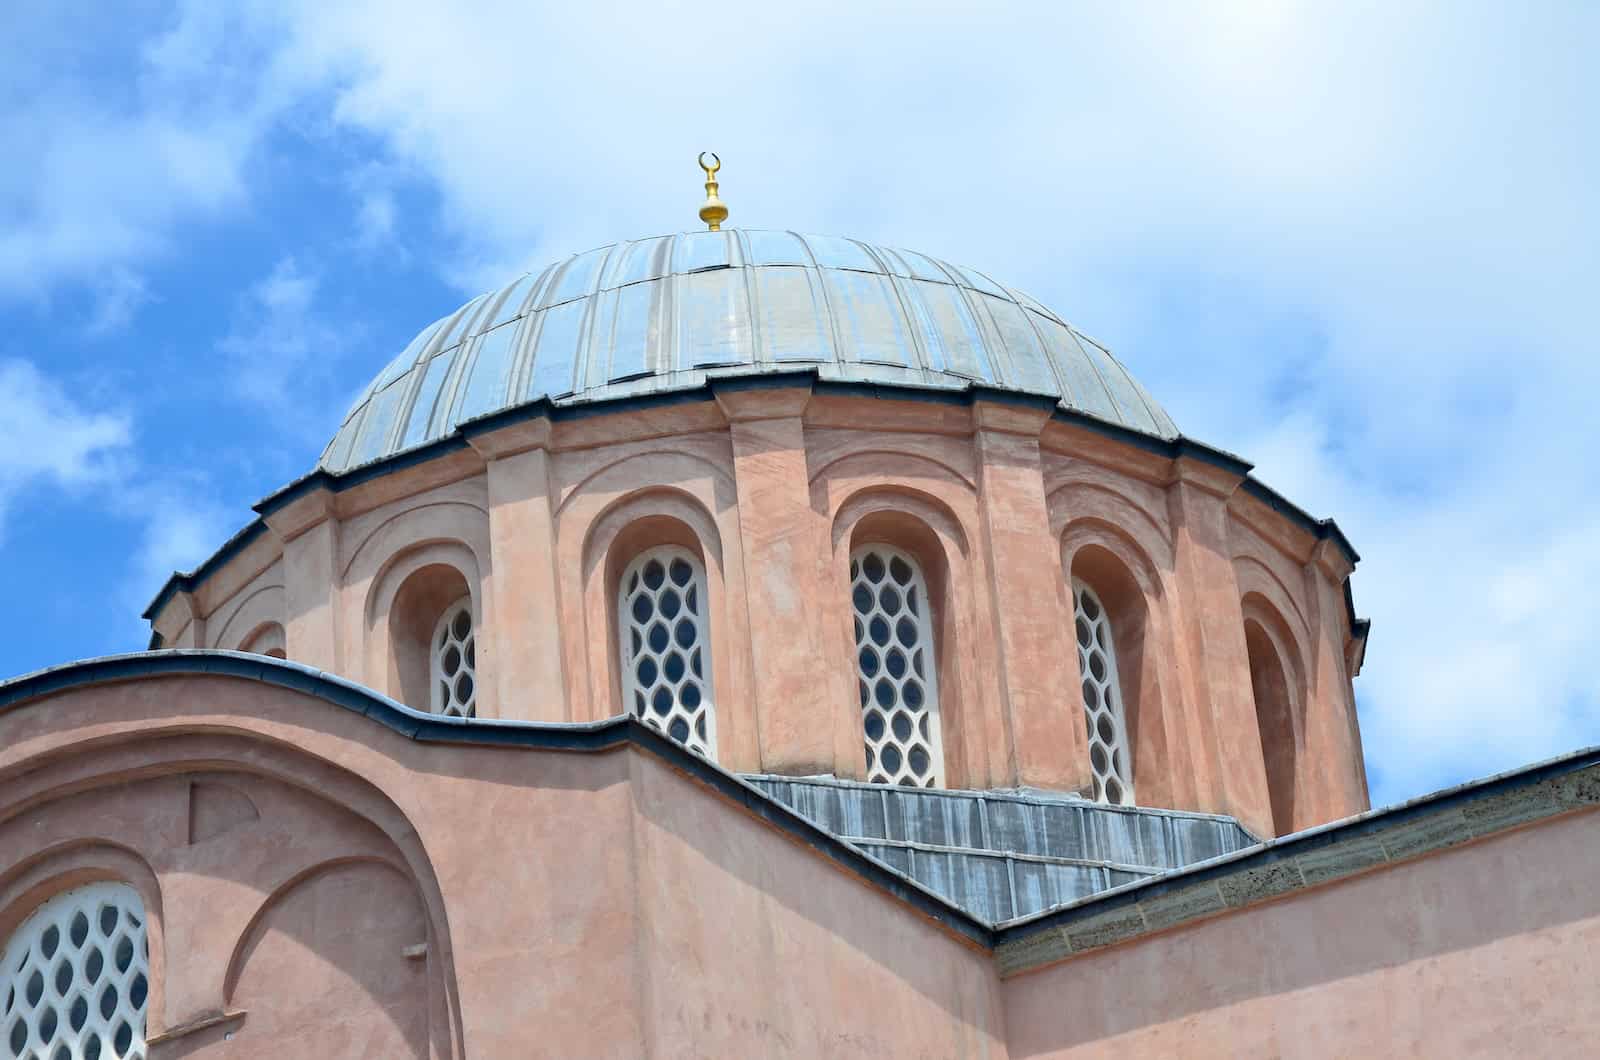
(317, 884)
(1001, 505)
(1481, 950)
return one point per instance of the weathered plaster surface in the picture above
(773, 487)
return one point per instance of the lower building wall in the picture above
(317, 885)
(753, 945)
(1490, 949)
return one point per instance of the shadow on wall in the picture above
(274, 902)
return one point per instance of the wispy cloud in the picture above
(283, 348)
(1355, 245)
(53, 441)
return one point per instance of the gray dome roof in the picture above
(668, 313)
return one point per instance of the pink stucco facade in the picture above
(316, 883)
(1000, 503)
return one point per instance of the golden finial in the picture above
(714, 211)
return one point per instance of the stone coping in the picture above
(1270, 870)
(1293, 863)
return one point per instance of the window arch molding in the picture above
(404, 604)
(1278, 690)
(928, 531)
(263, 607)
(72, 867)
(1127, 584)
(266, 639)
(617, 534)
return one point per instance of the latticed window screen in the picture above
(666, 649)
(896, 668)
(76, 978)
(454, 661)
(1102, 699)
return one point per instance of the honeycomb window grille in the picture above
(454, 662)
(1102, 699)
(666, 650)
(76, 978)
(896, 671)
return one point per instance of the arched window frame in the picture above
(690, 714)
(891, 749)
(453, 661)
(66, 951)
(1105, 711)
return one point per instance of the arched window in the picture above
(75, 977)
(454, 661)
(896, 668)
(1270, 687)
(1109, 755)
(666, 647)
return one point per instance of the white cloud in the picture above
(1402, 194)
(109, 168)
(118, 297)
(53, 440)
(1404, 185)
(282, 344)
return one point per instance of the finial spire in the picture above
(713, 211)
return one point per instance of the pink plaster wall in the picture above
(770, 487)
(316, 884)
(1484, 950)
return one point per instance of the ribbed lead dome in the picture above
(668, 313)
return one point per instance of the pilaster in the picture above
(523, 630)
(1041, 703)
(310, 535)
(798, 688)
(1335, 782)
(1214, 663)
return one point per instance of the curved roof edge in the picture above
(338, 482)
(583, 737)
(1266, 871)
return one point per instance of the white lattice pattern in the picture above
(1102, 699)
(665, 648)
(76, 978)
(896, 668)
(455, 661)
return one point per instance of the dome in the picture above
(666, 314)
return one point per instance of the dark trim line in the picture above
(590, 737)
(181, 582)
(458, 439)
(1432, 812)
(1369, 824)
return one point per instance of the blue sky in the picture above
(1358, 244)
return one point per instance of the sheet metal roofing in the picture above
(668, 313)
(1002, 855)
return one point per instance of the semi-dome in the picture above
(669, 313)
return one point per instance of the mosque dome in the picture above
(668, 313)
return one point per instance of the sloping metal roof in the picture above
(670, 312)
(1001, 855)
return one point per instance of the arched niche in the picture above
(601, 493)
(208, 891)
(1277, 685)
(407, 599)
(929, 532)
(249, 624)
(636, 523)
(1127, 583)
(266, 639)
